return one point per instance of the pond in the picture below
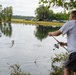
(28, 45)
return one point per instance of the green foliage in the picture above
(16, 70)
(6, 13)
(67, 4)
(61, 16)
(0, 12)
(43, 12)
(58, 64)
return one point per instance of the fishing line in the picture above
(41, 58)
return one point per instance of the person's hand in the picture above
(62, 44)
(55, 33)
(50, 33)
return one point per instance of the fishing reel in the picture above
(56, 46)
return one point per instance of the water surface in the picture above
(29, 46)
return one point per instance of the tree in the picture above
(42, 12)
(0, 12)
(4, 14)
(10, 13)
(61, 16)
(7, 13)
(67, 4)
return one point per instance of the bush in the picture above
(58, 64)
(16, 70)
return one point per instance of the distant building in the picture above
(54, 21)
(63, 21)
(28, 18)
(34, 19)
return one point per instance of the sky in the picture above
(24, 7)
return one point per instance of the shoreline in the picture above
(43, 23)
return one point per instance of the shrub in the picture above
(58, 64)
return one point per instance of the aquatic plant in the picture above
(16, 70)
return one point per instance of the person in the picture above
(69, 28)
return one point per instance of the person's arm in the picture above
(62, 44)
(56, 33)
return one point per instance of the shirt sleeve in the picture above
(66, 27)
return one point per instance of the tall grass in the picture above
(37, 22)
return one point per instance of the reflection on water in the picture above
(5, 29)
(41, 32)
(26, 49)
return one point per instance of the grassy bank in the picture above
(37, 22)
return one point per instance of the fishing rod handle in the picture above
(65, 48)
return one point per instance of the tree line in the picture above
(22, 17)
(6, 13)
(44, 13)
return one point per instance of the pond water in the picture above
(28, 45)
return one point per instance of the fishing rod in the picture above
(55, 39)
(59, 42)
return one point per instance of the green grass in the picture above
(37, 22)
